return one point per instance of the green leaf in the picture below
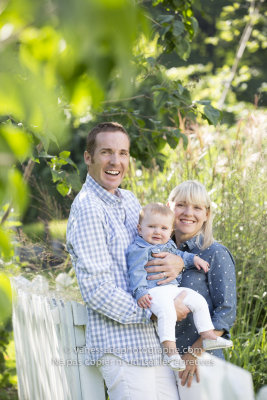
(18, 190)
(64, 154)
(18, 141)
(194, 26)
(173, 138)
(185, 140)
(183, 48)
(212, 114)
(5, 298)
(74, 181)
(165, 19)
(5, 243)
(58, 175)
(178, 28)
(160, 143)
(63, 189)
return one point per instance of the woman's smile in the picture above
(189, 218)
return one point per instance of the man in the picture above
(120, 337)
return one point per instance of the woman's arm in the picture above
(222, 288)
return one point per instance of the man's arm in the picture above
(88, 243)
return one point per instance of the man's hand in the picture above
(144, 301)
(168, 266)
(181, 309)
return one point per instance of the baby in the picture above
(155, 228)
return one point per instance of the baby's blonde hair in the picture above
(193, 192)
(156, 208)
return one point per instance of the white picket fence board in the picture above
(49, 338)
(222, 380)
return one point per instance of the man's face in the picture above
(110, 161)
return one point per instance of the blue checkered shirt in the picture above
(100, 228)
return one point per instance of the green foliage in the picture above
(36, 231)
(221, 26)
(5, 299)
(50, 77)
(66, 181)
(4, 340)
(177, 28)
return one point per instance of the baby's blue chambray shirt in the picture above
(100, 228)
(139, 253)
(218, 286)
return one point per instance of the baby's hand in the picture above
(200, 263)
(144, 301)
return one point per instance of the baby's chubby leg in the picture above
(199, 307)
(202, 320)
(162, 305)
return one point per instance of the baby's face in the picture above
(156, 228)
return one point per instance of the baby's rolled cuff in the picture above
(140, 292)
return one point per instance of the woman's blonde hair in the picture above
(193, 192)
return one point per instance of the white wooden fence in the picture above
(50, 341)
(50, 345)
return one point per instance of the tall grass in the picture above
(230, 162)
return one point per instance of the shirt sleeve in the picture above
(188, 258)
(137, 257)
(88, 245)
(222, 286)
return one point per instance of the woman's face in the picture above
(189, 218)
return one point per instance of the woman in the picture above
(193, 233)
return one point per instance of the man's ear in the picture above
(87, 158)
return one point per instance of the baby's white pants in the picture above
(162, 305)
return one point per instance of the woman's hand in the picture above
(191, 369)
(168, 266)
(181, 309)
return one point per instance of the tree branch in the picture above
(26, 176)
(241, 48)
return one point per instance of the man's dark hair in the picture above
(102, 127)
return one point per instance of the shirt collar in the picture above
(189, 244)
(141, 242)
(102, 193)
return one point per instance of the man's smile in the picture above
(111, 172)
